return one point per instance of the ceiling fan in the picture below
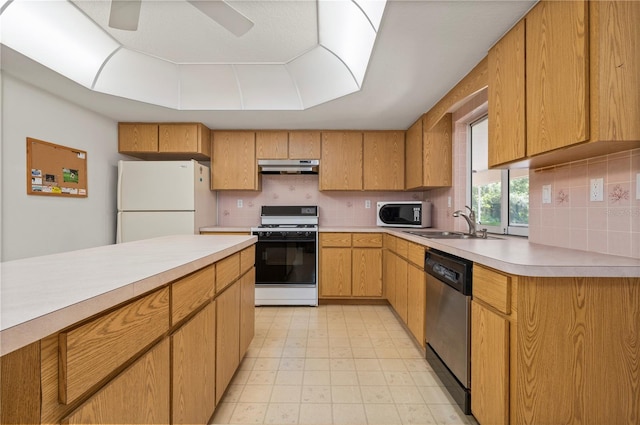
(125, 15)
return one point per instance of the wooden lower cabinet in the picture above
(366, 272)
(351, 265)
(247, 310)
(490, 365)
(227, 337)
(335, 272)
(416, 302)
(402, 294)
(139, 395)
(389, 276)
(193, 364)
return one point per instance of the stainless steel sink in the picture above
(445, 234)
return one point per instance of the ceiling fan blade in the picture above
(125, 14)
(225, 15)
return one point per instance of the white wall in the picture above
(39, 225)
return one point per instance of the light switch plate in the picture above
(240, 203)
(596, 190)
(546, 194)
(638, 186)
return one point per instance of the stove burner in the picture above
(289, 226)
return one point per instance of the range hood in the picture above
(288, 166)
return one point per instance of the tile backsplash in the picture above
(335, 208)
(572, 220)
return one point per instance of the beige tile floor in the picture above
(335, 365)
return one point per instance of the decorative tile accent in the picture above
(618, 193)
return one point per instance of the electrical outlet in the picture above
(596, 191)
(638, 186)
(240, 203)
(448, 201)
(546, 194)
(367, 204)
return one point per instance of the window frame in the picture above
(505, 227)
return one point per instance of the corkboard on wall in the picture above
(55, 170)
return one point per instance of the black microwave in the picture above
(404, 214)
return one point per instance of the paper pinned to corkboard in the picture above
(55, 170)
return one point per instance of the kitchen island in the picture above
(133, 332)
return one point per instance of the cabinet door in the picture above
(490, 371)
(383, 160)
(233, 162)
(341, 166)
(557, 75)
(401, 288)
(193, 359)
(413, 156)
(227, 337)
(247, 309)
(614, 70)
(367, 272)
(272, 144)
(139, 395)
(437, 142)
(506, 68)
(304, 145)
(416, 301)
(335, 272)
(183, 138)
(389, 276)
(137, 137)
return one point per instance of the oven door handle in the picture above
(286, 240)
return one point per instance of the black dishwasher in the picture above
(448, 323)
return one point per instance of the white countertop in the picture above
(42, 295)
(516, 255)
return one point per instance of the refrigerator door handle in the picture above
(119, 228)
(119, 194)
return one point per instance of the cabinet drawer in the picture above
(335, 239)
(371, 240)
(492, 287)
(402, 247)
(95, 349)
(247, 258)
(389, 242)
(190, 292)
(227, 270)
(415, 254)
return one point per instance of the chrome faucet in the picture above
(471, 219)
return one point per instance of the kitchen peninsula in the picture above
(133, 332)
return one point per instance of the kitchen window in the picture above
(500, 198)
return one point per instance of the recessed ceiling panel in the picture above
(177, 31)
(267, 87)
(140, 77)
(213, 87)
(320, 76)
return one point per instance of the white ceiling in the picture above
(423, 48)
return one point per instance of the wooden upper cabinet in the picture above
(304, 144)
(413, 155)
(137, 137)
(383, 160)
(185, 138)
(557, 83)
(341, 166)
(233, 162)
(614, 70)
(428, 154)
(272, 144)
(506, 66)
(164, 141)
(438, 155)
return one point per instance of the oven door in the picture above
(286, 262)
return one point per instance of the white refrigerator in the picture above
(161, 198)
